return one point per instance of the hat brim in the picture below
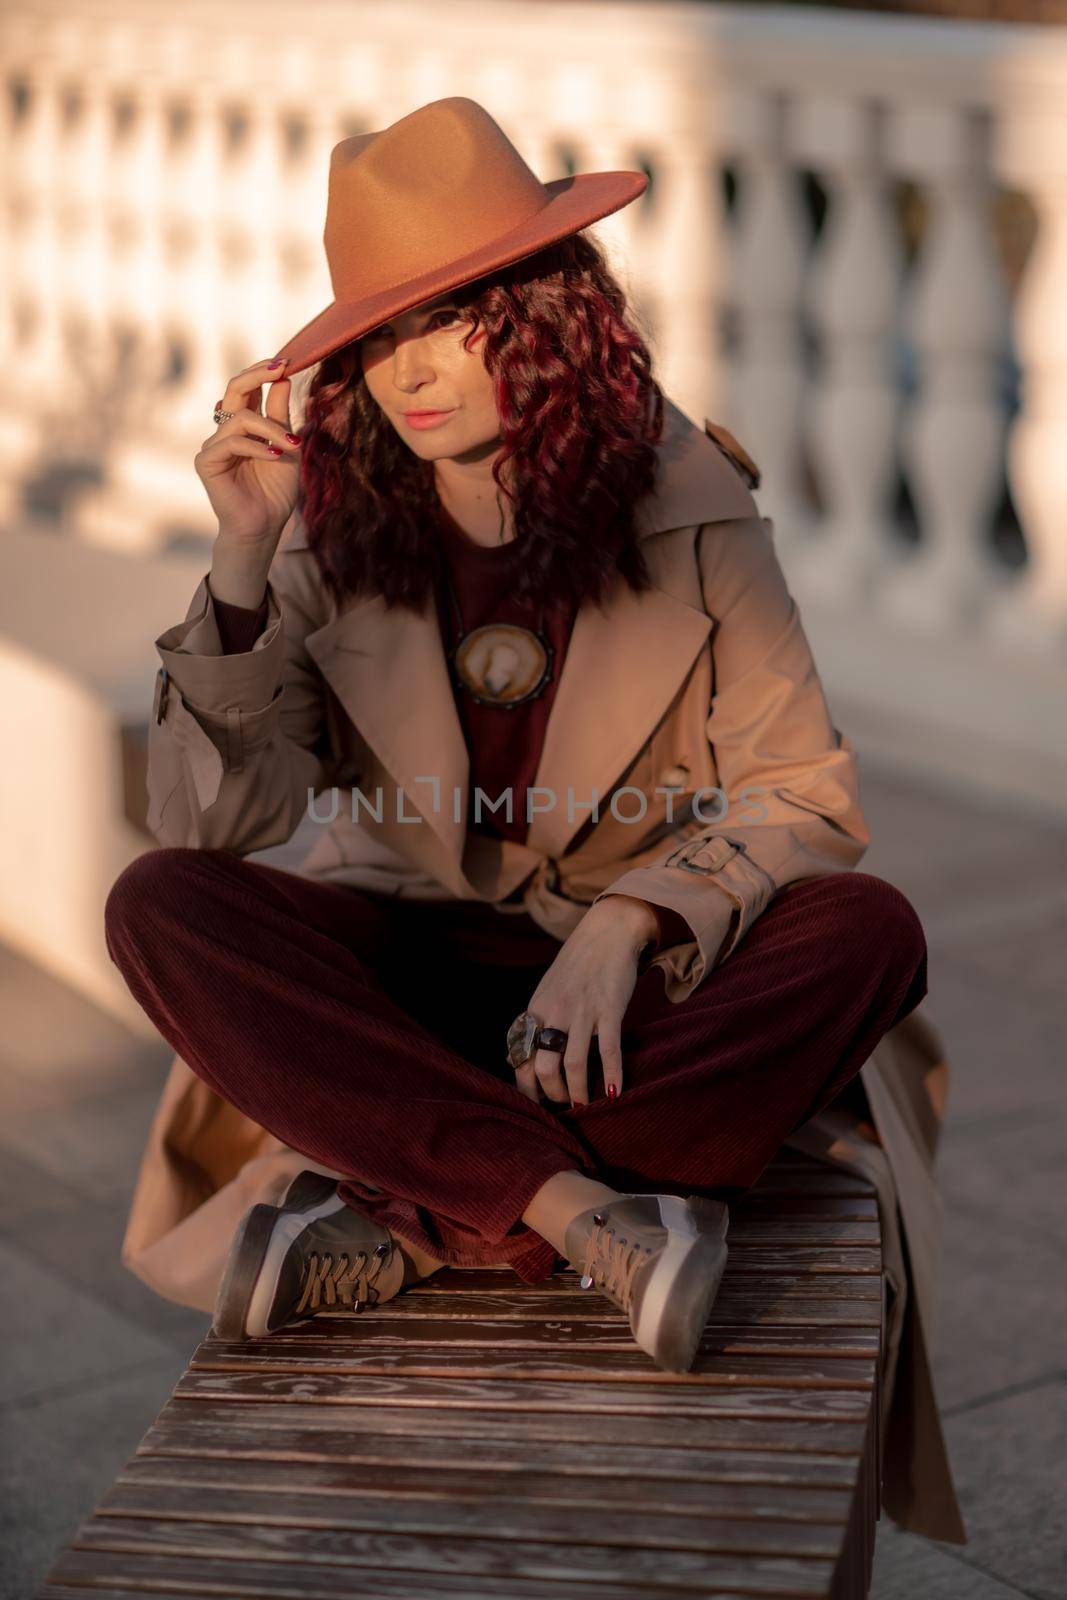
(576, 203)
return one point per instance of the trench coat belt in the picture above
(545, 875)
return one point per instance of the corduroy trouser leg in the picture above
(342, 1023)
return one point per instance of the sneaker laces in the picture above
(611, 1262)
(341, 1280)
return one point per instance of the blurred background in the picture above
(853, 253)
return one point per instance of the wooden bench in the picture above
(481, 1437)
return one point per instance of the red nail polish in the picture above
(612, 1091)
(293, 438)
(579, 1105)
(275, 449)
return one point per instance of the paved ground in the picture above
(91, 1356)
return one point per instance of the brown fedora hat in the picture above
(432, 202)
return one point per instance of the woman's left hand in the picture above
(586, 990)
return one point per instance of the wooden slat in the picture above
(777, 1227)
(849, 1295)
(464, 1480)
(694, 1401)
(788, 1432)
(793, 1258)
(454, 1516)
(782, 1369)
(178, 1434)
(82, 1572)
(799, 1304)
(661, 1566)
(795, 1263)
(605, 1337)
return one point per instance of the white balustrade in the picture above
(853, 289)
(687, 281)
(167, 173)
(766, 382)
(1034, 156)
(954, 431)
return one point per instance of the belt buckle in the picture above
(705, 855)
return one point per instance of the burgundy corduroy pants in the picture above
(345, 1024)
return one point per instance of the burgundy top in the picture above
(504, 746)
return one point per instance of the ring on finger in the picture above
(527, 1035)
(220, 416)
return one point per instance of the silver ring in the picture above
(222, 416)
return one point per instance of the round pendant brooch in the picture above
(503, 664)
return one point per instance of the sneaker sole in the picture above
(257, 1231)
(689, 1273)
(242, 1270)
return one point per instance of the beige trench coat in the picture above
(690, 759)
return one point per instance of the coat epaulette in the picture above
(734, 452)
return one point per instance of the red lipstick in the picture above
(427, 419)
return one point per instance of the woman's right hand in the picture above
(250, 467)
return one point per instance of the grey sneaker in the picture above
(312, 1253)
(660, 1258)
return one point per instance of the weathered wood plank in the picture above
(845, 1296)
(843, 1270)
(793, 1258)
(682, 1554)
(223, 1437)
(378, 1328)
(779, 1226)
(791, 1434)
(250, 1579)
(633, 1399)
(178, 1578)
(463, 1481)
(603, 1365)
(805, 1305)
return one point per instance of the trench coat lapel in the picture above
(624, 663)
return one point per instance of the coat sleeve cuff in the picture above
(212, 681)
(717, 892)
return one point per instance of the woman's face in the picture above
(418, 363)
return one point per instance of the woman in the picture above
(484, 478)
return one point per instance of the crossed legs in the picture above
(304, 1004)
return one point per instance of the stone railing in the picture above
(853, 252)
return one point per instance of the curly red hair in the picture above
(580, 412)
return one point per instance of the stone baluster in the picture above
(609, 149)
(952, 435)
(90, 267)
(174, 276)
(687, 280)
(634, 245)
(196, 266)
(303, 278)
(769, 248)
(851, 408)
(1033, 156)
(130, 206)
(37, 245)
(249, 290)
(17, 425)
